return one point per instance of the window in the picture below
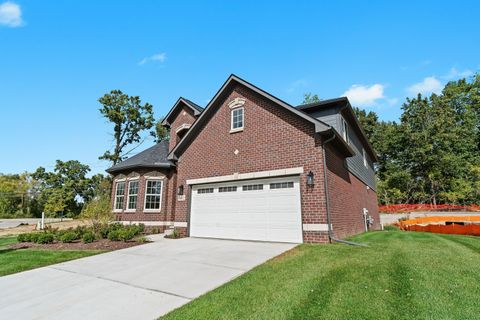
(252, 187)
(345, 131)
(119, 196)
(364, 157)
(237, 119)
(153, 195)
(227, 189)
(281, 185)
(132, 195)
(205, 190)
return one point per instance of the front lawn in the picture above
(402, 275)
(17, 260)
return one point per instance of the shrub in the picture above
(98, 211)
(141, 228)
(45, 237)
(69, 236)
(33, 237)
(104, 230)
(114, 235)
(23, 237)
(143, 240)
(127, 234)
(80, 230)
(88, 237)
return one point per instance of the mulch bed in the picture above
(103, 244)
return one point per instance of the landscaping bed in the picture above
(101, 244)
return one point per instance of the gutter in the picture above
(331, 236)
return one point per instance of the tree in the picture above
(309, 98)
(161, 132)
(66, 188)
(129, 118)
(98, 211)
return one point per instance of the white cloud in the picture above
(427, 86)
(10, 15)
(454, 74)
(360, 95)
(159, 57)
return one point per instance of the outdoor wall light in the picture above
(310, 179)
(180, 190)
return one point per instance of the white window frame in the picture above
(345, 131)
(146, 194)
(232, 129)
(117, 183)
(365, 163)
(129, 195)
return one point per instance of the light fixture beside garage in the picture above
(180, 190)
(310, 179)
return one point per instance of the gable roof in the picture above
(344, 103)
(320, 126)
(197, 110)
(153, 157)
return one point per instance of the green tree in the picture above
(161, 133)
(310, 98)
(129, 118)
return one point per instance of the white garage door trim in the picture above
(272, 213)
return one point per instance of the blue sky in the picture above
(58, 57)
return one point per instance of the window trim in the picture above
(128, 195)
(117, 183)
(146, 194)
(345, 131)
(289, 185)
(232, 129)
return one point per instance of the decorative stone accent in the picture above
(237, 102)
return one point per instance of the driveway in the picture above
(141, 282)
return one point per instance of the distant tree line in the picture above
(432, 155)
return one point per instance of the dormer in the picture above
(180, 118)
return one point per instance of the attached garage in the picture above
(262, 210)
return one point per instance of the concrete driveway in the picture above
(142, 282)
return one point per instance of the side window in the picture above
(237, 119)
(345, 132)
(119, 196)
(153, 195)
(132, 195)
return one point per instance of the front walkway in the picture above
(141, 282)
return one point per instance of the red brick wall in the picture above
(348, 196)
(273, 138)
(139, 214)
(182, 115)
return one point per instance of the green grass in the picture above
(401, 275)
(13, 261)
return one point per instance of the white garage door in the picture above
(265, 210)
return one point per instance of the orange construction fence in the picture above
(471, 228)
(468, 229)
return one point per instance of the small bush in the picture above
(104, 230)
(127, 234)
(143, 240)
(33, 237)
(80, 231)
(88, 237)
(114, 235)
(69, 236)
(45, 237)
(141, 228)
(23, 237)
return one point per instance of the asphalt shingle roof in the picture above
(153, 157)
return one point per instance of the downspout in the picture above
(331, 237)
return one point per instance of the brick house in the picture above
(250, 166)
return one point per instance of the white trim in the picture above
(156, 223)
(120, 180)
(250, 175)
(183, 127)
(180, 224)
(154, 177)
(145, 196)
(232, 129)
(315, 227)
(237, 102)
(345, 131)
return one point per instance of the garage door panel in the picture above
(265, 215)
